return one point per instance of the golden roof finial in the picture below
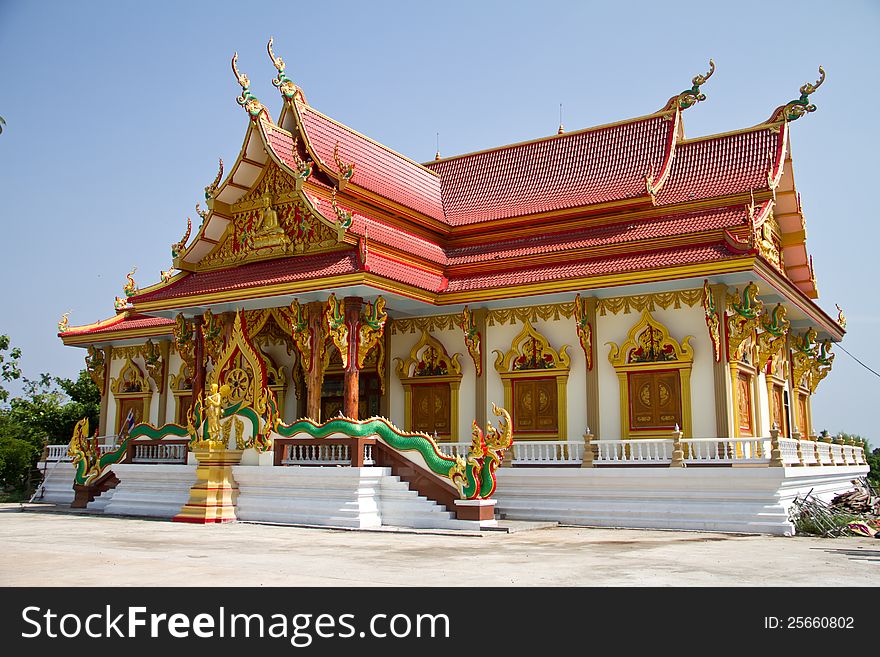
(692, 96)
(795, 109)
(561, 127)
(841, 318)
(211, 189)
(247, 100)
(285, 85)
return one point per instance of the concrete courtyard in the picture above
(45, 548)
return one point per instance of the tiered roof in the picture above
(631, 201)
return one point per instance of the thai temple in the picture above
(612, 326)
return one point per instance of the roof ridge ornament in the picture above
(344, 218)
(795, 109)
(346, 171)
(692, 96)
(178, 247)
(302, 167)
(211, 190)
(247, 100)
(285, 85)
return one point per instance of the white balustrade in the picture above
(808, 450)
(824, 450)
(548, 452)
(368, 455)
(330, 454)
(639, 451)
(837, 454)
(789, 447)
(159, 453)
(712, 451)
(454, 449)
(57, 453)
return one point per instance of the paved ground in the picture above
(55, 549)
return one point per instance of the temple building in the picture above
(631, 296)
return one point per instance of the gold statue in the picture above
(213, 409)
(269, 232)
(269, 222)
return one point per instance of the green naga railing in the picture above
(474, 476)
(90, 465)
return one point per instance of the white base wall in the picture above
(751, 500)
(156, 491)
(340, 497)
(58, 483)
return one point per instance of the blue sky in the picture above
(116, 113)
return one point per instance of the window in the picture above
(535, 405)
(655, 400)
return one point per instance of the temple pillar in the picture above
(724, 408)
(165, 351)
(385, 400)
(105, 391)
(198, 388)
(592, 381)
(315, 375)
(353, 307)
(481, 387)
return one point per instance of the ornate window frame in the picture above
(558, 367)
(144, 392)
(407, 373)
(681, 361)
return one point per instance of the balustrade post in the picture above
(507, 460)
(800, 451)
(775, 451)
(587, 461)
(357, 452)
(677, 451)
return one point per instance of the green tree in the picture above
(9, 369)
(45, 411)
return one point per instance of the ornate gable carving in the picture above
(649, 342)
(531, 351)
(428, 358)
(271, 220)
(131, 381)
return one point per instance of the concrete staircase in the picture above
(337, 497)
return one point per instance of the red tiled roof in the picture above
(377, 231)
(116, 324)
(377, 168)
(593, 267)
(571, 170)
(257, 274)
(678, 224)
(402, 272)
(717, 166)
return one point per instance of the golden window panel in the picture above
(535, 405)
(744, 410)
(654, 377)
(431, 379)
(535, 378)
(656, 400)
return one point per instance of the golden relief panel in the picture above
(271, 220)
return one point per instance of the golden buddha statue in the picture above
(268, 230)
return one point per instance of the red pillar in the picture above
(353, 307)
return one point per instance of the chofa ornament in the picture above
(247, 99)
(795, 109)
(285, 85)
(692, 96)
